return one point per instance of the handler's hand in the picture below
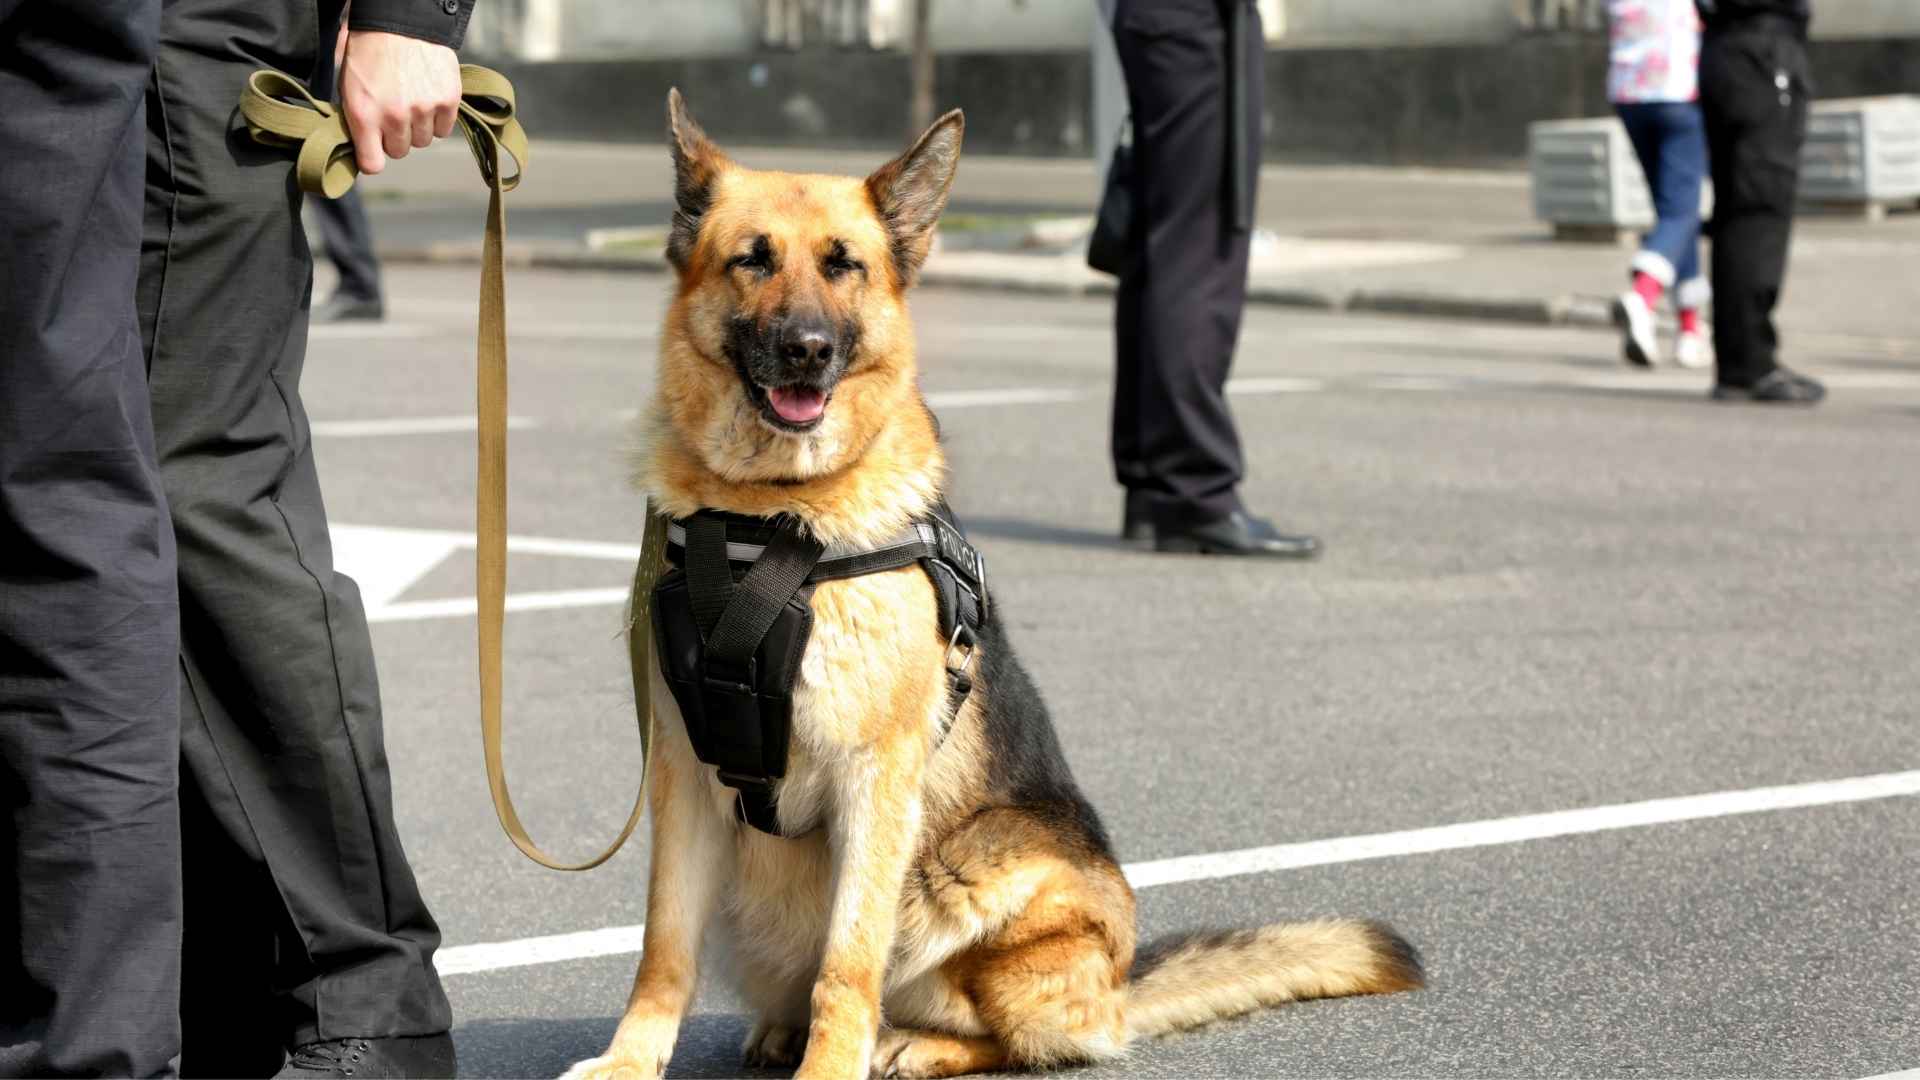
(398, 93)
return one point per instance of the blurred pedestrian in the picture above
(347, 237)
(270, 884)
(1755, 89)
(1193, 73)
(1654, 84)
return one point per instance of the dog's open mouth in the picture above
(792, 408)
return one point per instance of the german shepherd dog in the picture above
(961, 910)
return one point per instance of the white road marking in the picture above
(969, 399)
(386, 562)
(1279, 384)
(358, 331)
(455, 539)
(1003, 332)
(572, 549)
(467, 959)
(467, 607)
(1698, 383)
(965, 399)
(462, 334)
(585, 331)
(1635, 380)
(1418, 382)
(1514, 830)
(409, 425)
(617, 940)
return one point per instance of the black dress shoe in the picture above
(1236, 534)
(423, 1056)
(341, 307)
(1777, 387)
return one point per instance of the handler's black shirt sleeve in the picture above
(443, 22)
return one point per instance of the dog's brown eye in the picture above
(838, 263)
(759, 260)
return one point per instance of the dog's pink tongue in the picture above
(797, 404)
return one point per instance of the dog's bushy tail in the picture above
(1191, 980)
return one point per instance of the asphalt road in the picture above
(1551, 584)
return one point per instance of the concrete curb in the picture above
(1043, 280)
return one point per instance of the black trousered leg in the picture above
(281, 737)
(1756, 127)
(348, 237)
(90, 909)
(1177, 315)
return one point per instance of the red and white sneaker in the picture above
(1693, 349)
(1639, 339)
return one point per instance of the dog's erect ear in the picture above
(911, 190)
(696, 163)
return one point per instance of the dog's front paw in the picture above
(775, 1046)
(618, 1066)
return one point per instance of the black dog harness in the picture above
(732, 618)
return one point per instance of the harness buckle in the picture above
(729, 682)
(959, 678)
(953, 643)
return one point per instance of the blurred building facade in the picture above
(1411, 81)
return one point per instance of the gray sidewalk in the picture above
(1411, 241)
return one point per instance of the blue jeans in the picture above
(1670, 139)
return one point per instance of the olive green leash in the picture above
(279, 111)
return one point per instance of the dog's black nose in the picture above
(809, 347)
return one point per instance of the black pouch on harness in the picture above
(738, 720)
(731, 625)
(730, 641)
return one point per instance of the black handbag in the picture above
(1115, 242)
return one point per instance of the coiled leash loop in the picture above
(279, 111)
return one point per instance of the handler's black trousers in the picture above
(89, 642)
(288, 801)
(1177, 316)
(1755, 91)
(303, 920)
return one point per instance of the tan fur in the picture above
(1225, 975)
(928, 929)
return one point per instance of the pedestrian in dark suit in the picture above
(1193, 73)
(271, 885)
(1755, 91)
(347, 237)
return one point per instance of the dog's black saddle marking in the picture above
(732, 618)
